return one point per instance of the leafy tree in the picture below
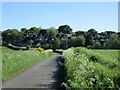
(80, 41)
(109, 33)
(63, 44)
(55, 44)
(51, 32)
(118, 34)
(53, 28)
(64, 29)
(10, 35)
(76, 41)
(43, 32)
(0, 38)
(103, 33)
(97, 45)
(113, 42)
(89, 40)
(34, 30)
(78, 33)
(92, 32)
(48, 38)
(30, 42)
(71, 42)
(19, 37)
(24, 30)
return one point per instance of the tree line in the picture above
(61, 38)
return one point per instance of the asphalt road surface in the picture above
(46, 74)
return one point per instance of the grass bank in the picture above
(14, 62)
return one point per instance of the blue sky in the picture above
(80, 16)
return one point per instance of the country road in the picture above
(46, 74)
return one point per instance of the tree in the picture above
(78, 33)
(53, 28)
(118, 34)
(29, 42)
(89, 40)
(43, 32)
(103, 33)
(71, 42)
(63, 44)
(97, 45)
(10, 35)
(0, 38)
(34, 30)
(80, 41)
(76, 41)
(113, 42)
(64, 29)
(19, 37)
(55, 44)
(109, 33)
(92, 32)
(24, 30)
(51, 32)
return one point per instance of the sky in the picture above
(102, 16)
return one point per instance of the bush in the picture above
(90, 47)
(97, 45)
(113, 42)
(28, 47)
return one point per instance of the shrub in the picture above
(90, 47)
(28, 47)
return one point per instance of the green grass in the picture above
(14, 62)
(110, 53)
(91, 68)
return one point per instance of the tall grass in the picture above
(14, 62)
(88, 69)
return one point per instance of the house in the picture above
(66, 36)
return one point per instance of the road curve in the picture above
(46, 74)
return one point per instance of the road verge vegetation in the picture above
(90, 69)
(14, 62)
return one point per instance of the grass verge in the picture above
(89, 69)
(14, 62)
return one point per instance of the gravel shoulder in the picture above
(46, 74)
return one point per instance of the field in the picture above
(14, 62)
(91, 68)
(110, 53)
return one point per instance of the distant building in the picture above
(66, 36)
